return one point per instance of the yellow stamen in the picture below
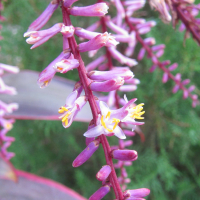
(62, 110)
(108, 114)
(136, 112)
(116, 121)
(66, 117)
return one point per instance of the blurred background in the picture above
(168, 160)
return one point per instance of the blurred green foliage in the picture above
(168, 162)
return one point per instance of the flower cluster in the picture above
(6, 124)
(111, 113)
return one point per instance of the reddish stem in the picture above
(188, 23)
(95, 111)
(150, 53)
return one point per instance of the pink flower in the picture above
(72, 106)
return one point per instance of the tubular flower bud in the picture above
(83, 33)
(72, 106)
(137, 193)
(107, 86)
(86, 154)
(98, 9)
(124, 73)
(106, 124)
(65, 65)
(121, 58)
(48, 73)
(103, 173)
(97, 42)
(44, 17)
(9, 68)
(124, 155)
(100, 193)
(39, 37)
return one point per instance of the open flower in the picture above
(72, 106)
(106, 124)
(134, 112)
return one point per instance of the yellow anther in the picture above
(116, 121)
(46, 83)
(136, 112)
(62, 110)
(66, 117)
(108, 114)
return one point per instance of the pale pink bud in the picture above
(129, 133)
(121, 58)
(166, 62)
(123, 172)
(154, 60)
(99, 41)
(83, 33)
(127, 88)
(124, 38)
(158, 47)
(165, 77)
(44, 17)
(142, 192)
(136, 20)
(175, 88)
(178, 77)
(159, 53)
(128, 143)
(185, 94)
(9, 68)
(100, 193)
(124, 155)
(65, 65)
(68, 3)
(115, 28)
(133, 81)
(186, 81)
(141, 54)
(134, 7)
(95, 63)
(107, 86)
(173, 67)
(128, 163)
(150, 41)
(144, 30)
(129, 3)
(98, 9)
(191, 88)
(103, 173)
(86, 153)
(153, 67)
(120, 8)
(125, 73)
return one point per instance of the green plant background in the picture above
(168, 162)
